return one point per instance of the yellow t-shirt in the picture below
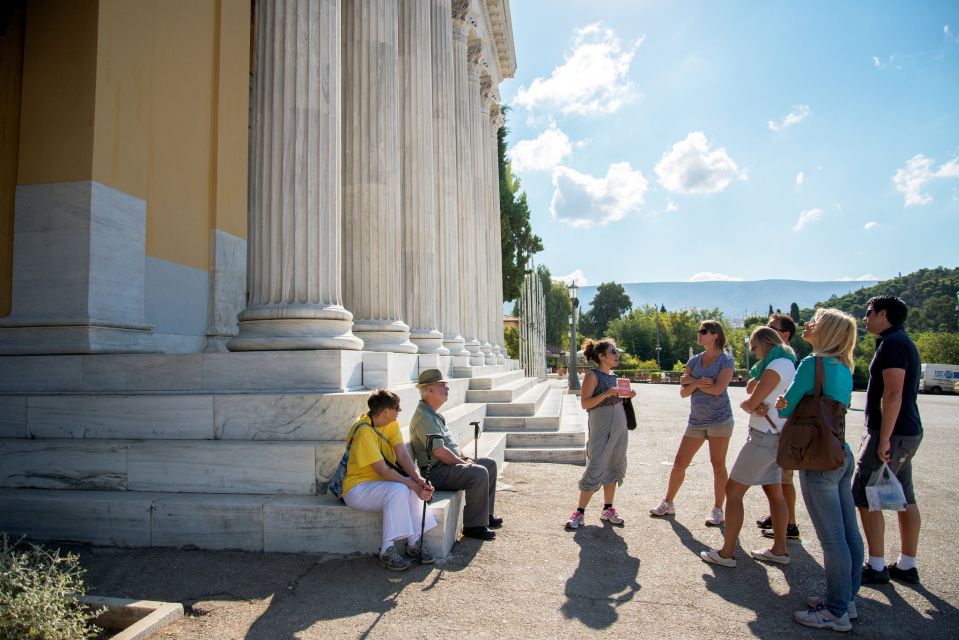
(367, 448)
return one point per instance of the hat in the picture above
(430, 376)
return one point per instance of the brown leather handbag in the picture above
(814, 436)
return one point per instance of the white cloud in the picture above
(911, 179)
(876, 63)
(807, 216)
(800, 179)
(869, 226)
(865, 276)
(543, 152)
(879, 64)
(947, 31)
(594, 79)
(709, 276)
(576, 276)
(797, 115)
(671, 207)
(689, 167)
(582, 201)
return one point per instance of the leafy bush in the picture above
(38, 595)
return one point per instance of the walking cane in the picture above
(475, 441)
(429, 467)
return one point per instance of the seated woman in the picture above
(373, 481)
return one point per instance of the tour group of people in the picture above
(382, 476)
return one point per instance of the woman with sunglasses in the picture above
(704, 382)
(828, 494)
(606, 446)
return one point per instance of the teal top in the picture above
(756, 371)
(837, 384)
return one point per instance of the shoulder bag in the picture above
(814, 436)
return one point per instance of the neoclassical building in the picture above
(274, 175)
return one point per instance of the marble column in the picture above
(463, 70)
(481, 164)
(444, 167)
(372, 229)
(419, 215)
(496, 269)
(293, 274)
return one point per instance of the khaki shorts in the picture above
(705, 433)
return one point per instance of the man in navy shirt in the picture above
(893, 434)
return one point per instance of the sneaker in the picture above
(393, 561)
(821, 618)
(712, 557)
(575, 521)
(418, 553)
(792, 532)
(715, 517)
(767, 555)
(815, 601)
(766, 522)
(871, 576)
(664, 509)
(904, 575)
(611, 516)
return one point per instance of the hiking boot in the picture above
(393, 561)
(418, 553)
(792, 532)
(871, 576)
(904, 575)
(851, 611)
(715, 517)
(821, 618)
(664, 509)
(712, 557)
(766, 522)
(575, 521)
(611, 516)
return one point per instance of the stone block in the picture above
(134, 372)
(287, 416)
(40, 374)
(63, 464)
(208, 521)
(384, 370)
(13, 417)
(151, 417)
(309, 371)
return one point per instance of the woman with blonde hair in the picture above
(606, 445)
(756, 463)
(704, 382)
(828, 494)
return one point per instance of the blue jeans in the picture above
(828, 497)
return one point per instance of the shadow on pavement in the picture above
(604, 579)
(879, 618)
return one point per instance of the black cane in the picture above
(429, 467)
(475, 441)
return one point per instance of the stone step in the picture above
(534, 439)
(562, 455)
(495, 380)
(479, 370)
(503, 394)
(525, 405)
(458, 421)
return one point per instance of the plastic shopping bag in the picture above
(884, 492)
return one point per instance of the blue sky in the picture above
(676, 141)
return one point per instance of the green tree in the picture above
(518, 242)
(794, 312)
(609, 303)
(558, 308)
(511, 337)
(941, 348)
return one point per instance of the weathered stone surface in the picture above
(13, 417)
(63, 464)
(154, 417)
(208, 521)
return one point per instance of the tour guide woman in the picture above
(828, 494)
(606, 446)
(372, 482)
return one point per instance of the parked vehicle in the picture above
(936, 378)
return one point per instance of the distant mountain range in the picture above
(736, 299)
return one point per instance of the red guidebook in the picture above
(624, 387)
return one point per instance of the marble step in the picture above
(288, 524)
(508, 392)
(479, 370)
(561, 455)
(533, 439)
(495, 380)
(525, 405)
(547, 416)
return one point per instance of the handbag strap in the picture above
(820, 378)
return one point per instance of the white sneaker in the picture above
(767, 555)
(821, 618)
(575, 520)
(612, 516)
(712, 557)
(664, 509)
(852, 612)
(715, 517)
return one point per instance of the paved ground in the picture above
(644, 580)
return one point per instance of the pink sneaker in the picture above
(575, 520)
(611, 516)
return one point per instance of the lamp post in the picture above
(659, 309)
(746, 340)
(573, 373)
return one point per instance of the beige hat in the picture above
(430, 376)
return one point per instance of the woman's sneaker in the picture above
(393, 561)
(712, 557)
(575, 521)
(821, 618)
(611, 516)
(418, 553)
(851, 611)
(664, 509)
(792, 532)
(715, 517)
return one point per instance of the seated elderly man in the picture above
(452, 470)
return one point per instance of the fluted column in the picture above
(496, 268)
(462, 71)
(444, 167)
(419, 217)
(373, 265)
(294, 270)
(481, 164)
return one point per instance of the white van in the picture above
(936, 378)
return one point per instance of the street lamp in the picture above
(746, 340)
(573, 374)
(659, 365)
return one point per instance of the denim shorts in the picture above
(901, 451)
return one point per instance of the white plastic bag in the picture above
(884, 491)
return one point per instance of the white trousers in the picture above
(402, 509)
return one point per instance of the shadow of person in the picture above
(878, 619)
(604, 579)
